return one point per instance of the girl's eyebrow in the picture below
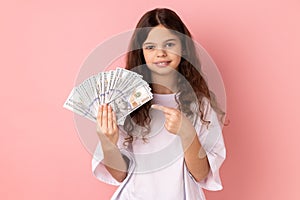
(168, 40)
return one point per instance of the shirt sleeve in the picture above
(212, 141)
(101, 173)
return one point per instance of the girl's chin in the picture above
(163, 71)
(155, 66)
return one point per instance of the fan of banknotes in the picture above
(124, 90)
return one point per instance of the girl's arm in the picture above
(108, 133)
(194, 155)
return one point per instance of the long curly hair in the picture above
(189, 69)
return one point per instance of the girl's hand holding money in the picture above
(108, 133)
(107, 124)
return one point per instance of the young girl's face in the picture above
(162, 50)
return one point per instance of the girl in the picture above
(171, 147)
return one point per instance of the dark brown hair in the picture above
(189, 68)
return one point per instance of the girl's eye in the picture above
(149, 47)
(169, 44)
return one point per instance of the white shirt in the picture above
(157, 170)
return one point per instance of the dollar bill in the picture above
(130, 101)
(124, 90)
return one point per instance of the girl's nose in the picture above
(160, 52)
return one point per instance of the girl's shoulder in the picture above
(204, 107)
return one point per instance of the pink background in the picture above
(253, 42)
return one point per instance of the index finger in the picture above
(165, 109)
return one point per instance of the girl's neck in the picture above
(164, 84)
(159, 89)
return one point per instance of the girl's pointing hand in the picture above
(176, 122)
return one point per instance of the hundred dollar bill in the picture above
(75, 103)
(129, 86)
(127, 103)
(124, 90)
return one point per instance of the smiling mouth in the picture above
(162, 63)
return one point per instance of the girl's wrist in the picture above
(187, 138)
(106, 144)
